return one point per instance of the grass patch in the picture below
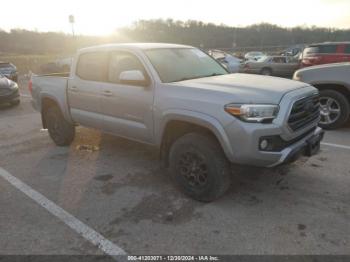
(26, 63)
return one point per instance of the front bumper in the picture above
(246, 149)
(306, 147)
(244, 138)
(14, 96)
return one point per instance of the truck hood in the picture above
(244, 88)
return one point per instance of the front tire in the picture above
(60, 130)
(335, 109)
(200, 167)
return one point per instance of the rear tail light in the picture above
(246, 66)
(30, 86)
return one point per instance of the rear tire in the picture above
(60, 130)
(335, 109)
(200, 167)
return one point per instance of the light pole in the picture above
(72, 21)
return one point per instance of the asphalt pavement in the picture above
(106, 194)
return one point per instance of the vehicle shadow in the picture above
(98, 167)
(111, 183)
(109, 165)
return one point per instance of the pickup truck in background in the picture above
(180, 100)
(333, 82)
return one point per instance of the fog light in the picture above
(264, 144)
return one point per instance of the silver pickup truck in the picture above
(180, 100)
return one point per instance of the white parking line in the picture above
(336, 145)
(82, 229)
(28, 96)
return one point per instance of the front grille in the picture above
(304, 112)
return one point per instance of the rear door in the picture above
(127, 108)
(292, 64)
(330, 54)
(322, 54)
(84, 90)
(278, 66)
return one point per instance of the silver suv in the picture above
(333, 82)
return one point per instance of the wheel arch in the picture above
(177, 124)
(341, 88)
(47, 100)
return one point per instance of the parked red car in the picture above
(326, 53)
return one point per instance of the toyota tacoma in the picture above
(180, 100)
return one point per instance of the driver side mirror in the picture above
(133, 77)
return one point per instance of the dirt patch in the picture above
(301, 227)
(158, 178)
(315, 165)
(60, 156)
(105, 177)
(161, 208)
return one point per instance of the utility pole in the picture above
(72, 21)
(234, 41)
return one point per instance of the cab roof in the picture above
(133, 46)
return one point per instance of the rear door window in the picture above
(279, 60)
(93, 66)
(309, 51)
(327, 49)
(321, 49)
(347, 49)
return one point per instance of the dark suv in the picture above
(326, 53)
(9, 70)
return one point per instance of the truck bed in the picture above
(63, 74)
(51, 86)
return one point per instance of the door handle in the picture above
(107, 93)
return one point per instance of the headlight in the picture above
(297, 76)
(253, 113)
(13, 86)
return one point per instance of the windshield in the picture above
(255, 53)
(178, 64)
(263, 59)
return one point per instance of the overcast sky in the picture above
(99, 17)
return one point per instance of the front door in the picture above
(127, 108)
